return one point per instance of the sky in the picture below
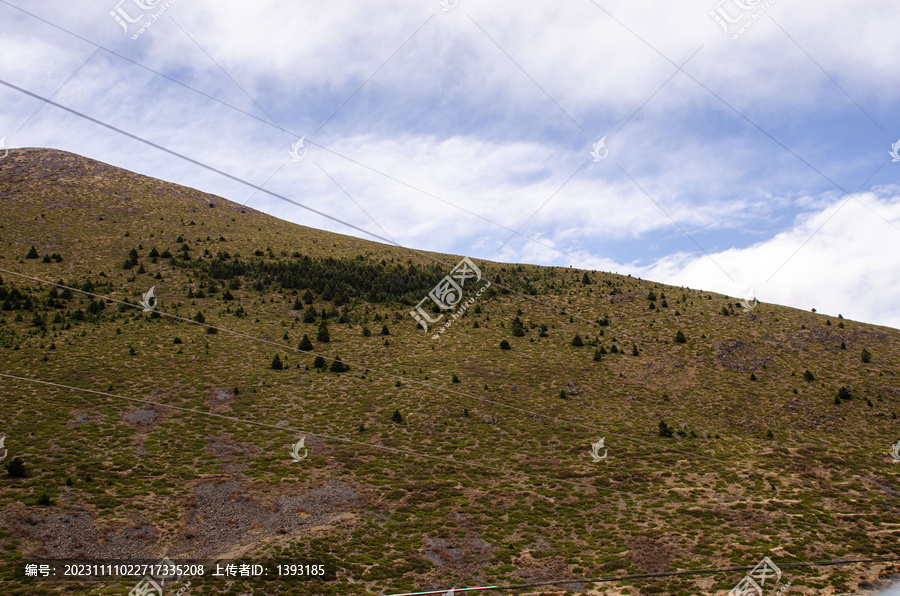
(738, 146)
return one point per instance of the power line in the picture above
(377, 371)
(261, 189)
(333, 438)
(274, 125)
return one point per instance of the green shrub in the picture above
(16, 468)
(664, 430)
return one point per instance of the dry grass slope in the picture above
(762, 462)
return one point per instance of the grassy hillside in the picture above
(168, 432)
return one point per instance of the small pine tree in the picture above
(397, 418)
(32, 254)
(385, 330)
(323, 336)
(680, 338)
(504, 345)
(634, 350)
(276, 363)
(664, 430)
(366, 331)
(337, 366)
(466, 412)
(562, 394)
(770, 434)
(843, 346)
(319, 362)
(614, 349)
(576, 341)
(585, 279)
(455, 379)
(598, 355)
(752, 376)
(866, 356)
(518, 329)
(199, 318)
(305, 344)
(297, 304)
(809, 377)
(844, 393)
(310, 315)
(308, 297)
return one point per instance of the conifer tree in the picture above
(305, 344)
(310, 315)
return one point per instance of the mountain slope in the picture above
(182, 444)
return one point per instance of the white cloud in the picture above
(847, 267)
